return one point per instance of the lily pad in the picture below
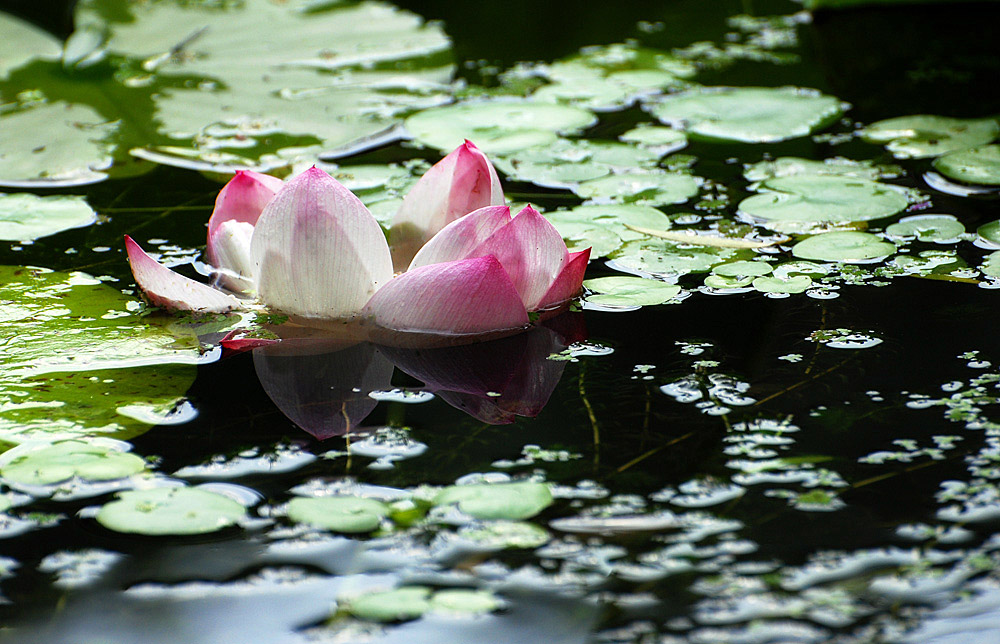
(748, 114)
(630, 291)
(991, 265)
(663, 258)
(27, 216)
(663, 139)
(788, 166)
(989, 234)
(649, 188)
(941, 229)
(497, 500)
(170, 83)
(976, 165)
(605, 228)
(54, 144)
(742, 268)
(411, 602)
(799, 202)
(771, 284)
(170, 511)
(922, 135)
(73, 361)
(565, 163)
(23, 41)
(348, 514)
(498, 127)
(849, 247)
(505, 534)
(47, 464)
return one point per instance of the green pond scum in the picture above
(772, 416)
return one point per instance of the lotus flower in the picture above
(315, 253)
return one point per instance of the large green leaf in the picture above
(171, 80)
(925, 135)
(798, 202)
(976, 165)
(76, 358)
(748, 114)
(26, 216)
(22, 41)
(170, 511)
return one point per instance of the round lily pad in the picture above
(942, 229)
(395, 605)
(796, 203)
(348, 514)
(650, 188)
(605, 228)
(665, 139)
(663, 258)
(770, 284)
(411, 602)
(786, 270)
(76, 357)
(170, 511)
(505, 534)
(47, 464)
(788, 166)
(565, 163)
(23, 41)
(497, 500)
(630, 291)
(54, 144)
(849, 247)
(976, 165)
(498, 127)
(27, 216)
(991, 265)
(742, 268)
(747, 114)
(989, 234)
(922, 135)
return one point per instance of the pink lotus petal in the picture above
(234, 342)
(171, 290)
(461, 182)
(319, 252)
(569, 282)
(243, 199)
(532, 252)
(459, 238)
(229, 245)
(471, 296)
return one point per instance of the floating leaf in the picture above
(663, 139)
(170, 511)
(505, 534)
(498, 127)
(605, 228)
(23, 41)
(27, 216)
(770, 284)
(497, 500)
(411, 602)
(662, 258)
(788, 166)
(698, 239)
(849, 247)
(798, 203)
(47, 464)
(991, 265)
(921, 136)
(742, 268)
(976, 165)
(747, 114)
(942, 229)
(630, 291)
(54, 145)
(71, 362)
(565, 163)
(989, 234)
(348, 514)
(650, 188)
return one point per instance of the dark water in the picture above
(754, 567)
